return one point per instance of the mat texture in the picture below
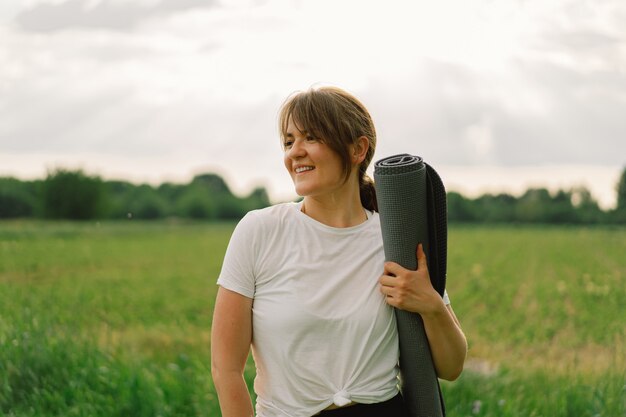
(412, 206)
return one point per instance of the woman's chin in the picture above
(302, 191)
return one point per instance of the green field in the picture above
(114, 319)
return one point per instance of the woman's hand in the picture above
(411, 290)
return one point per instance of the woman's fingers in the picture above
(405, 288)
(422, 263)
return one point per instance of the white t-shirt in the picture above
(322, 331)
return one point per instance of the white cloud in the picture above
(109, 14)
(479, 137)
(463, 84)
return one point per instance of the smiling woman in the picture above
(329, 143)
(307, 287)
(310, 162)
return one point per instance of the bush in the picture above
(119, 195)
(229, 207)
(196, 204)
(15, 199)
(72, 195)
(621, 196)
(258, 198)
(146, 203)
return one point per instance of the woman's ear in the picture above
(359, 149)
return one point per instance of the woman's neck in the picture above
(344, 210)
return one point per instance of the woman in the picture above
(306, 286)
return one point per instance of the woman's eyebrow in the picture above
(302, 132)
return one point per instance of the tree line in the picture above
(74, 195)
(67, 194)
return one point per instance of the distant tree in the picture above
(533, 206)
(226, 205)
(495, 208)
(229, 207)
(258, 198)
(145, 203)
(618, 215)
(196, 203)
(561, 208)
(460, 209)
(621, 192)
(213, 183)
(16, 199)
(72, 195)
(585, 206)
(172, 192)
(119, 195)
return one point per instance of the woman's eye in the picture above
(310, 138)
(288, 143)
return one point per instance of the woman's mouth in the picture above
(300, 170)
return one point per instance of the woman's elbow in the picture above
(452, 368)
(222, 372)
(451, 374)
(215, 373)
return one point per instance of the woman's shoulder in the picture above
(270, 216)
(276, 211)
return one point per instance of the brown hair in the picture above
(338, 119)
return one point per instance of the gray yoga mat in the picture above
(412, 206)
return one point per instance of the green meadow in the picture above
(113, 319)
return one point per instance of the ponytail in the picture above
(367, 192)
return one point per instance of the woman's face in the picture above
(315, 169)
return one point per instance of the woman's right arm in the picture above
(231, 335)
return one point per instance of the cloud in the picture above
(509, 84)
(107, 14)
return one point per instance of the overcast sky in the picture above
(496, 95)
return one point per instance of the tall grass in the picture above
(113, 319)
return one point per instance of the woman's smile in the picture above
(303, 169)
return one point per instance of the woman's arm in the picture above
(412, 291)
(231, 334)
(447, 343)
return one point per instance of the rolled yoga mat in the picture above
(412, 207)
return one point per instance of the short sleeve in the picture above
(446, 299)
(237, 272)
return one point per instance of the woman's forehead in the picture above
(294, 124)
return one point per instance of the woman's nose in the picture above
(296, 150)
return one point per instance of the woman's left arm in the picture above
(412, 291)
(447, 343)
